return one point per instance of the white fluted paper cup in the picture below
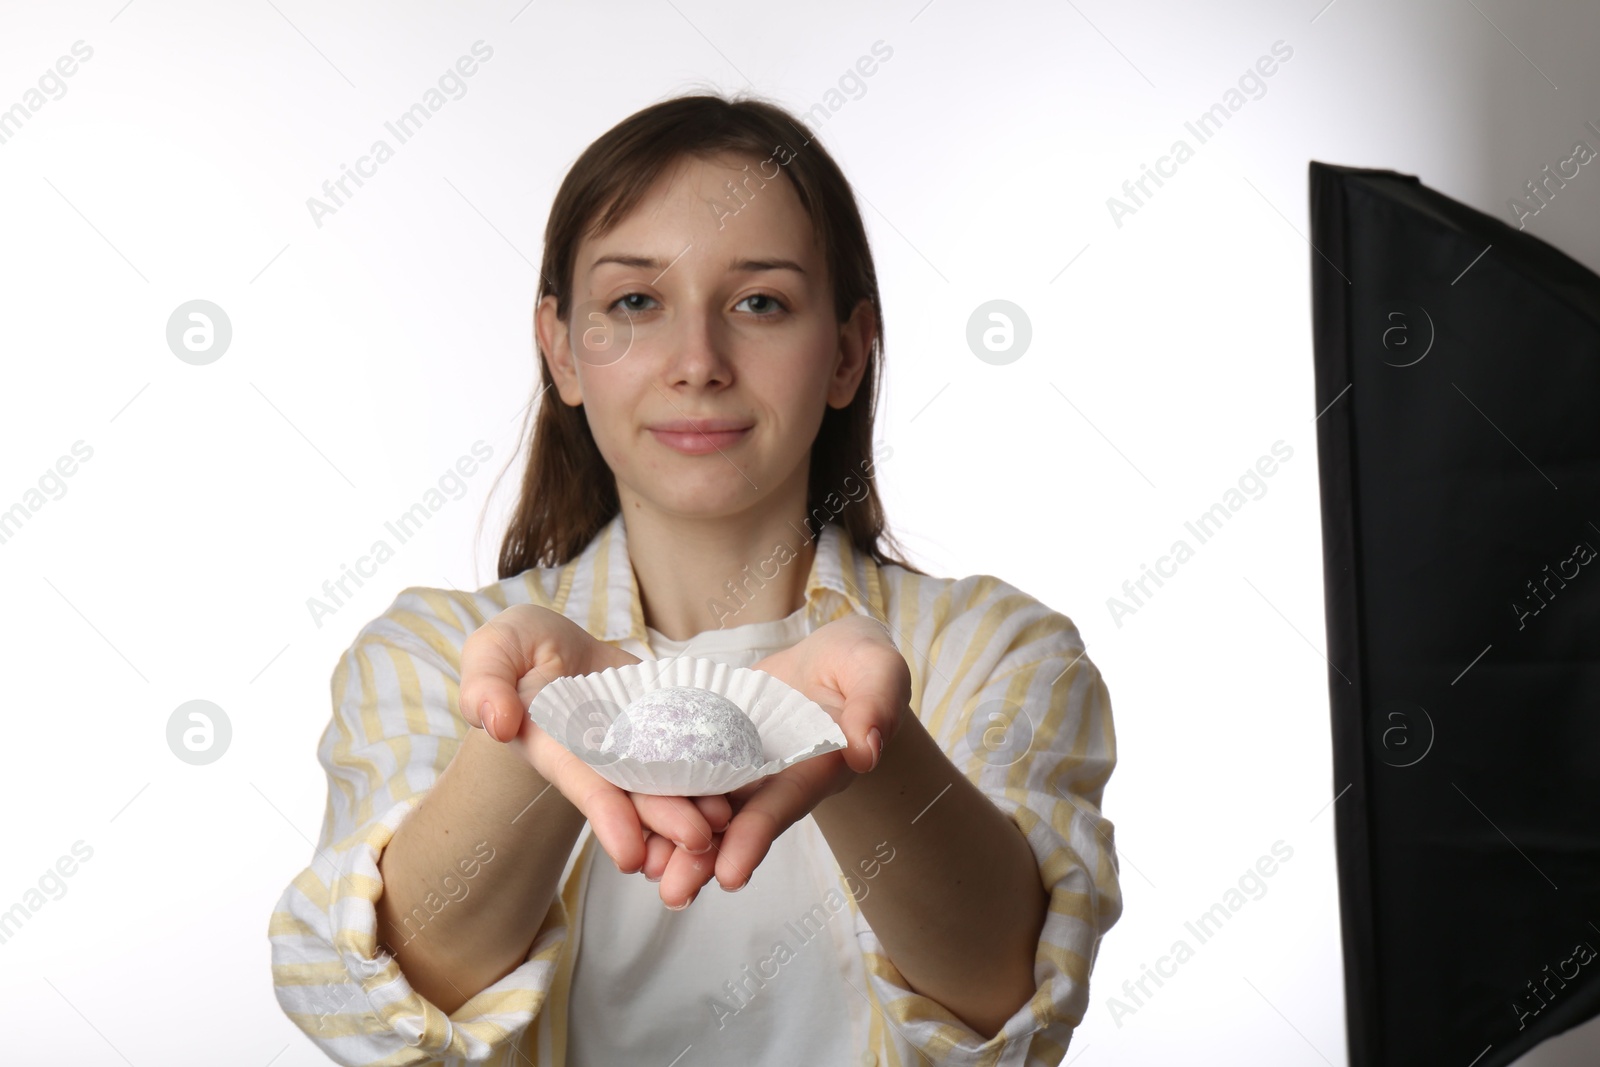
(578, 710)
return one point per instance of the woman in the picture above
(701, 484)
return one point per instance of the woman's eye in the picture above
(766, 306)
(772, 302)
(626, 300)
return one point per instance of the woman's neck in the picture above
(707, 574)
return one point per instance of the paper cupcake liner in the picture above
(577, 711)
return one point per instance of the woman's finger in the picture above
(658, 850)
(610, 811)
(782, 800)
(675, 818)
(737, 798)
(875, 692)
(616, 826)
(686, 874)
(716, 809)
(494, 659)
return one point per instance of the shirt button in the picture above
(869, 1058)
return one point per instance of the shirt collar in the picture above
(602, 594)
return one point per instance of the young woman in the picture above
(702, 482)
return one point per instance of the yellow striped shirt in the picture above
(978, 650)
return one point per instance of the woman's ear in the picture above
(855, 345)
(554, 342)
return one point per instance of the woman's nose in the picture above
(697, 353)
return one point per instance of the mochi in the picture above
(682, 722)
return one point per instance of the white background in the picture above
(370, 353)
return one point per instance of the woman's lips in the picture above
(696, 443)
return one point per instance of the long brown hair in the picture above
(568, 492)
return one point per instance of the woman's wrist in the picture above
(501, 777)
(520, 832)
(891, 791)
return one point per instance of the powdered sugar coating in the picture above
(682, 722)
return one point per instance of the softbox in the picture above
(1458, 430)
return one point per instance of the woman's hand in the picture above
(854, 671)
(504, 664)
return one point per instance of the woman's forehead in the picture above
(725, 211)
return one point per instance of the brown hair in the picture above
(568, 492)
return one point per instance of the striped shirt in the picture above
(978, 649)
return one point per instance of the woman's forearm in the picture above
(961, 905)
(454, 933)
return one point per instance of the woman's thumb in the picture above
(493, 660)
(863, 756)
(499, 713)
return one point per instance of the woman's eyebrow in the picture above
(752, 266)
(738, 266)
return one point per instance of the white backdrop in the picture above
(374, 346)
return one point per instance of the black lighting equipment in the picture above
(1458, 392)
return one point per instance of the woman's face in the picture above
(702, 341)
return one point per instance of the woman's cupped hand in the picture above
(504, 665)
(849, 667)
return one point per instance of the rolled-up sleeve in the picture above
(1007, 690)
(394, 729)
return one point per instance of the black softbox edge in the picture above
(1566, 280)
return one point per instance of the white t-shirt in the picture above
(734, 978)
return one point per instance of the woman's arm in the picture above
(488, 801)
(392, 736)
(473, 866)
(961, 907)
(521, 801)
(1001, 882)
